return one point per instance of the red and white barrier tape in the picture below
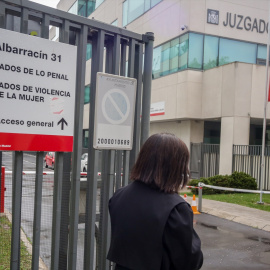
(193, 187)
(45, 173)
(234, 189)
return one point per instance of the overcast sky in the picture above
(50, 3)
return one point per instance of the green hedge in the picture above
(239, 180)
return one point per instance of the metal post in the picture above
(120, 154)
(137, 116)
(24, 21)
(64, 228)
(200, 200)
(2, 189)
(16, 210)
(77, 149)
(37, 210)
(90, 217)
(45, 26)
(112, 65)
(147, 83)
(57, 198)
(265, 111)
(104, 225)
(2, 15)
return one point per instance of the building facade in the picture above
(209, 73)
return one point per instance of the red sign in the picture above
(37, 93)
(31, 142)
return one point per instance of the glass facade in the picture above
(84, 7)
(195, 52)
(202, 52)
(133, 9)
(87, 94)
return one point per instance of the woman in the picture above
(152, 226)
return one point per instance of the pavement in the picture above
(244, 215)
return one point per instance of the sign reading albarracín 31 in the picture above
(37, 93)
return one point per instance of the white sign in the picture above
(37, 93)
(157, 108)
(114, 112)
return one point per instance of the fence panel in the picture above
(204, 160)
(248, 159)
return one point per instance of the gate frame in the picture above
(98, 33)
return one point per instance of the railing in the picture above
(248, 159)
(204, 160)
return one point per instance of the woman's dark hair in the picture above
(162, 163)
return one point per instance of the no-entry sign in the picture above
(37, 93)
(114, 112)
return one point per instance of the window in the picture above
(165, 59)
(85, 138)
(174, 55)
(233, 50)
(183, 52)
(84, 7)
(56, 34)
(74, 8)
(195, 54)
(210, 52)
(87, 94)
(133, 9)
(98, 3)
(203, 52)
(115, 23)
(88, 51)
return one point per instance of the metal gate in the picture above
(116, 47)
(204, 160)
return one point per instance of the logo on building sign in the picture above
(212, 16)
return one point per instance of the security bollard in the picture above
(200, 199)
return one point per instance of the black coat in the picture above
(152, 230)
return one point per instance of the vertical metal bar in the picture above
(123, 58)
(131, 61)
(2, 189)
(64, 223)
(16, 210)
(107, 180)
(115, 70)
(118, 169)
(104, 226)
(131, 58)
(77, 148)
(116, 55)
(37, 210)
(2, 15)
(121, 154)
(90, 218)
(147, 83)
(45, 26)
(125, 177)
(57, 197)
(24, 21)
(200, 200)
(137, 115)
